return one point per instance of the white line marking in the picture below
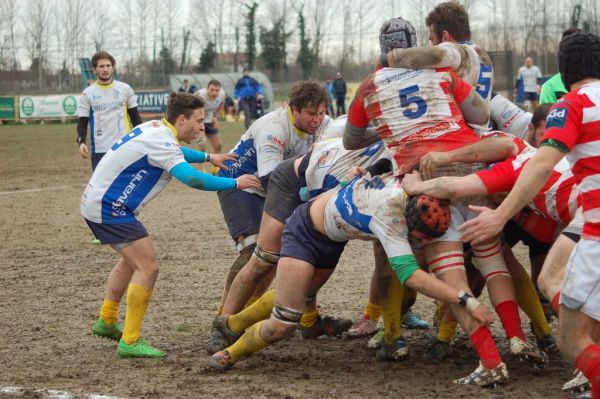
(53, 394)
(32, 190)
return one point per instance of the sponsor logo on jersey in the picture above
(118, 206)
(326, 158)
(277, 140)
(557, 118)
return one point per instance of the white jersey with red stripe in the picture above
(367, 209)
(574, 124)
(414, 112)
(558, 197)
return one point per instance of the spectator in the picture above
(328, 87)
(185, 87)
(247, 90)
(531, 75)
(339, 90)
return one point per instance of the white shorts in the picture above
(580, 288)
(576, 225)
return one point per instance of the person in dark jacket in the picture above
(247, 89)
(339, 90)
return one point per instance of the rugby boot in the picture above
(139, 348)
(526, 351)
(411, 320)
(220, 325)
(395, 351)
(328, 326)
(217, 342)
(110, 331)
(376, 340)
(363, 327)
(547, 343)
(486, 377)
(437, 351)
(220, 361)
(578, 383)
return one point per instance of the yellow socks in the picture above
(220, 309)
(391, 302)
(138, 298)
(108, 311)
(252, 299)
(309, 318)
(259, 310)
(248, 343)
(529, 301)
(372, 311)
(447, 330)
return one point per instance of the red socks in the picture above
(555, 303)
(486, 349)
(511, 321)
(588, 362)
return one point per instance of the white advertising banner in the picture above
(61, 106)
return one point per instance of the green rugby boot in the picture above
(109, 331)
(139, 348)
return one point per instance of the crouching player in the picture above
(313, 240)
(133, 171)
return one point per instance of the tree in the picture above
(306, 56)
(273, 44)
(208, 58)
(37, 28)
(251, 35)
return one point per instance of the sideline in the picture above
(32, 190)
(51, 393)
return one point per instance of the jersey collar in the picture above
(165, 122)
(105, 86)
(297, 132)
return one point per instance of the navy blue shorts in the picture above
(242, 212)
(96, 157)
(117, 233)
(210, 130)
(531, 96)
(513, 233)
(301, 241)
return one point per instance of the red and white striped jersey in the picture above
(558, 197)
(414, 112)
(575, 122)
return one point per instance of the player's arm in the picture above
(447, 187)
(357, 133)
(270, 152)
(188, 175)
(440, 56)
(194, 156)
(82, 125)
(475, 109)
(134, 116)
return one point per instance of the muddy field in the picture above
(52, 282)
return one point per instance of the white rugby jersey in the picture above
(210, 106)
(267, 142)
(367, 209)
(329, 162)
(106, 106)
(509, 118)
(132, 172)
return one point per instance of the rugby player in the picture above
(110, 106)
(572, 128)
(313, 240)
(213, 96)
(281, 134)
(134, 170)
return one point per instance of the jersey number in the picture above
(484, 82)
(406, 99)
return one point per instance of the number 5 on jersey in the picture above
(419, 106)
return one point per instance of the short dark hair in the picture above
(451, 17)
(214, 82)
(540, 114)
(102, 55)
(307, 93)
(182, 104)
(569, 31)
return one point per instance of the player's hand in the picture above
(411, 183)
(431, 162)
(488, 224)
(247, 181)
(83, 150)
(215, 122)
(355, 171)
(218, 159)
(482, 314)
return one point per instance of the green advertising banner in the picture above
(62, 106)
(8, 108)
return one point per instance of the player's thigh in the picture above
(140, 254)
(553, 270)
(269, 236)
(292, 281)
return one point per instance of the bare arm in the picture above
(449, 187)
(475, 109)
(356, 138)
(425, 57)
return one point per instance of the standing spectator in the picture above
(247, 90)
(531, 75)
(185, 87)
(110, 106)
(328, 87)
(339, 90)
(213, 96)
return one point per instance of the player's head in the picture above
(579, 58)
(396, 33)
(537, 126)
(528, 62)
(213, 88)
(308, 101)
(569, 31)
(186, 113)
(427, 217)
(104, 66)
(448, 22)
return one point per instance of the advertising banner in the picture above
(61, 106)
(8, 108)
(152, 102)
